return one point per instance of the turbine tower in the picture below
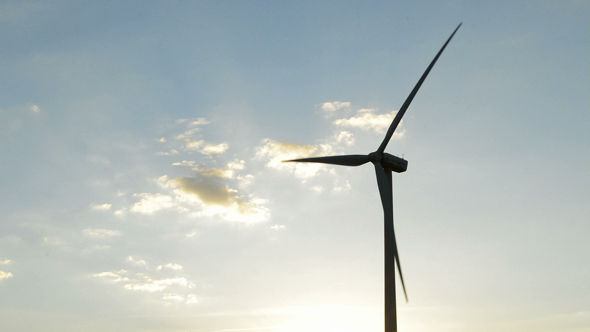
(384, 164)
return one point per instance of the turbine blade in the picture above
(347, 160)
(399, 268)
(402, 110)
(386, 193)
(385, 190)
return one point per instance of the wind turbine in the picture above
(384, 164)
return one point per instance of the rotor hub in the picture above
(375, 157)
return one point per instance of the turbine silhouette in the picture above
(384, 164)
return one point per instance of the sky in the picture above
(142, 187)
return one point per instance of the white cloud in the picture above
(136, 262)
(6, 261)
(191, 144)
(170, 153)
(100, 207)
(176, 288)
(5, 275)
(277, 227)
(173, 297)
(193, 122)
(113, 276)
(198, 122)
(35, 109)
(215, 172)
(170, 266)
(366, 119)
(214, 149)
(318, 189)
(147, 284)
(192, 233)
(185, 163)
(245, 180)
(331, 107)
(216, 198)
(236, 164)
(203, 147)
(275, 152)
(199, 145)
(205, 194)
(151, 203)
(96, 232)
(191, 299)
(345, 137)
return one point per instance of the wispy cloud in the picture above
(209, 191)
(275, 152)
(101, 207)
(137, 262)
(366, 119)
(331, 107)
(5, 275)
(151, 203)
(97, 232)
(190, 141)
(141, 282)
(170, 266)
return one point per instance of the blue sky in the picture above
(142, 188)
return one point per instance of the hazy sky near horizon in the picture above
(142, 189)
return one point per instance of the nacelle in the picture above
(394, 163)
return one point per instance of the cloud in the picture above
(221, 173)
(96, 232)
(192, 233)
(100, 207)
(331, 107)
(170, 266)
(275, 152)
(207, 188)
(173, 297)
(185, 163)
(151, 203)
(345, 137)
(203, 147)
(199, 145)
(144, 283)
(214, 149)
(366, 119)
(6, 261)
(5, 275)
(194, 122)
(208, 192)
(199, 122)
(245, 180)
(190, 298)
(136, 262)
(236, 164)
(215, 197)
